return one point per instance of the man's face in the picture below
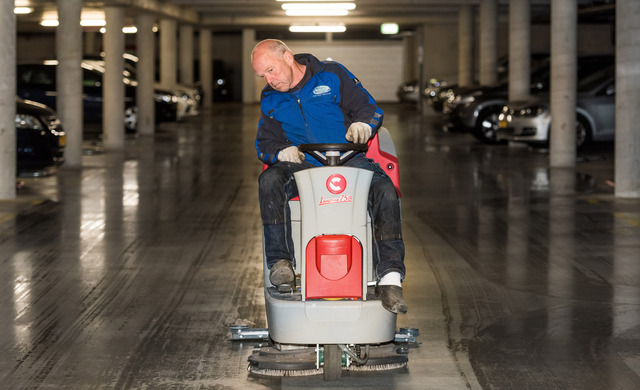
(275, 69)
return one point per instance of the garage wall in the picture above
(378, 65)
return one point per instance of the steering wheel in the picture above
(333, 154)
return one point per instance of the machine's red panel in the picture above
(388, 162)
(334, 267)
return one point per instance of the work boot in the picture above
(282, 276)
(392, 299)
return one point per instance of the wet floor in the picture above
(128, 273)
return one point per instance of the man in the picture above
(308, 101)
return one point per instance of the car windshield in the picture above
(594, 80)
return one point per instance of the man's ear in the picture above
(288, 57)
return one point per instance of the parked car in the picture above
(189, 97)
(477, 110)
(37, 81)
(408, 91)
(186, 105)
(40, 136)
(530, 121)
(441, 90)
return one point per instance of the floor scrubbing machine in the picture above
(332, 321)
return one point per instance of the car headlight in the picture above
(532, 111)
(165, 97)
(53, 123)
(25, 121)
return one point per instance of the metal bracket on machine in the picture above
(243, 332)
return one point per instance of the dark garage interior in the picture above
(131, 239)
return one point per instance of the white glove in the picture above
(358, 133)
(291, 154)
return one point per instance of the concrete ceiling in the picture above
(236, 14)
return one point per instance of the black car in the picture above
(37, 82)
(439, 91)
(40, 137)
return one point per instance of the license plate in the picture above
(502, 124)
(62, 140)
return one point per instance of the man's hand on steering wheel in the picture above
(358, 133)
(291, 154)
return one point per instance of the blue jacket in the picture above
(320, 111)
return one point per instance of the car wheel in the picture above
(583, 132)
(486, 129)
(131, 118)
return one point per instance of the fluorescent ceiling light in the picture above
(318, 28)
(316, 12)
(22, 10)
(93, 22)
(126, 30)
(49, 22)
(83, 22)
(347, 6)
(389, 28)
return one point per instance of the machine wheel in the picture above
(332, 362)
(486, 129)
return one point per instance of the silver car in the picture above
(530, 121)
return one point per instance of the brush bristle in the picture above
(271, 372)
(376, 367)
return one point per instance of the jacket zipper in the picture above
(306, 125)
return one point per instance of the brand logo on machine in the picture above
(321, 90)
(336, 183)
(339, 199)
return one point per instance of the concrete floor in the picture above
(128, 273)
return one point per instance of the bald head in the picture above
(274, 46)
(272, 60)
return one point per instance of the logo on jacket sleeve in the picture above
(321, 90)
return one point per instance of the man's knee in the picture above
(271, 178)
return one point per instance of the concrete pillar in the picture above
(248, 75)
(206, 63)
(113, 88)
(186, 54)
(627, 144)
(519, 49)
(145, 43)
(564, 17)
(465, 46)
(420, 51)
(69, 79)
(409, 57)
(488, 42)
(7, 100)
(168, 41)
